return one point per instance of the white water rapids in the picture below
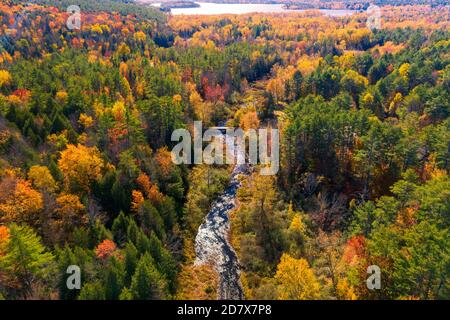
(212, 244)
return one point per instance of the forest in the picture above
(87, 178)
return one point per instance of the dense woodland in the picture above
(86, 176)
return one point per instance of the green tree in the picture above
(114, 279)
(421, 268)
(147, 282)
(26, 261)
(92, 291)
(78, 256)
(131, 261)
(354, 83)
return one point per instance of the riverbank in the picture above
(168, 6)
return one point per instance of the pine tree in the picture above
(114, 279)
(92, 291)
(119, 228)
(131, 261)
(147, 282)
(165, 262)
(126, 294)
(25, 260)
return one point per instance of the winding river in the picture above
(212, 244)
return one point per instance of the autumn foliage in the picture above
(86, 172)
(80, 166)
(105, 249)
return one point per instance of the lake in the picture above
(207, 8)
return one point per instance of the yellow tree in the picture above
(163, 158)
(296, 280)
(297, 232)
(70, 213)
(42, 179)
(86, 121)
(140, 36)
(5, 78)
(344, 291)
(61, 97)
(202, 110)
(197, 283)
(249, 121)
(276, 88)
(80, 166)
(395, 103)
(19, 202)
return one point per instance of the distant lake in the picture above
(208, 8)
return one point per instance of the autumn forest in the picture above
(87, 177)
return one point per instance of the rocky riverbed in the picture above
(212, 245)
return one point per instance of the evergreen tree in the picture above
(92, 291)
(26, 261)
(114, 279)
(147, 282)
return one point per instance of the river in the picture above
(212, 244)
(207, 8)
